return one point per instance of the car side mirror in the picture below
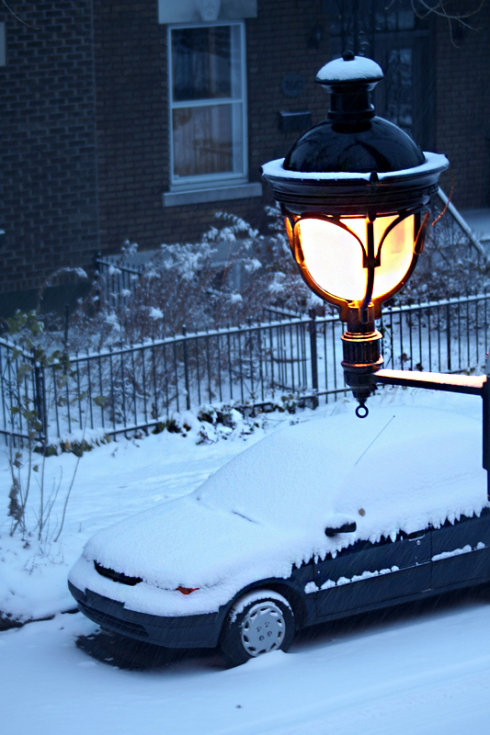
(347, 527)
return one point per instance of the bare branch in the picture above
(17, 17)
(422, 9)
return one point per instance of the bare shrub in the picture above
(231, 276)
(449, 266)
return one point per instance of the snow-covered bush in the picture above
(236, 275)
(231, 276)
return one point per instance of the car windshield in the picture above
(279, 479)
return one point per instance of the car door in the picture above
(366, 574)
(461, 552)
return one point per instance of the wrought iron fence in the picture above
(119, 278)
(257, 365)
(21, 394)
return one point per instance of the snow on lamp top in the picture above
(350, 68)
(354, 162)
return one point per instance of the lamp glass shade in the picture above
(333, 255)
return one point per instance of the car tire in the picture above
(259, 622)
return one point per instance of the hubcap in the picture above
(263, 628)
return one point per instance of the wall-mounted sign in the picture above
(209, 9)
(292, 85)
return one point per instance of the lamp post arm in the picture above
(472, 384)
(476, 385)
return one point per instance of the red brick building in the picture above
(138, 119)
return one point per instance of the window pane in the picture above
(201, 62)
(399, 75)
(203, 140)
(207, 103)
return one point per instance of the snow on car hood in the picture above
(185, 543)
(268, 507)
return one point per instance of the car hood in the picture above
(186, 543)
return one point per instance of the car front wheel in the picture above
(260, 622)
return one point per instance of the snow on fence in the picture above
(131, 388)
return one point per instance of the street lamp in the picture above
(354, 191)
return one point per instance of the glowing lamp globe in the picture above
(354, 191)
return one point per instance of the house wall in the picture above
(47, 142)
(131, 121)
(283, 57)
(84, 139)
(132, 114)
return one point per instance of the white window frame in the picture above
(3, 55)
(219, 180)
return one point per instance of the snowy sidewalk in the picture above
(424, 673)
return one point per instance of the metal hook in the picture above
(362, 411)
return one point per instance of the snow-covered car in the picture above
(324, 519)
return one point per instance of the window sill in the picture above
(214, 194)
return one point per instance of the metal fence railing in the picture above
(294, 359)
(119, 278)
(21, 394)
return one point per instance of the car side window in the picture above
(364, 546)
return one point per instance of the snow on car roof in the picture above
(384, 464)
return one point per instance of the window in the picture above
(207, 106)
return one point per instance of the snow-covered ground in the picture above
(424, 669)
(479, 221)
(421, 673)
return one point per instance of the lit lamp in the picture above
(354, 191)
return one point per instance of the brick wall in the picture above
(279, 46)
(131, 121)
(47, 143)
(132, 113)
(85, 145)
(133, 137)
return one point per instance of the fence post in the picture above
(40, 401)
(186, 370)
(486, 425)
(313, 349)
(448, 336)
